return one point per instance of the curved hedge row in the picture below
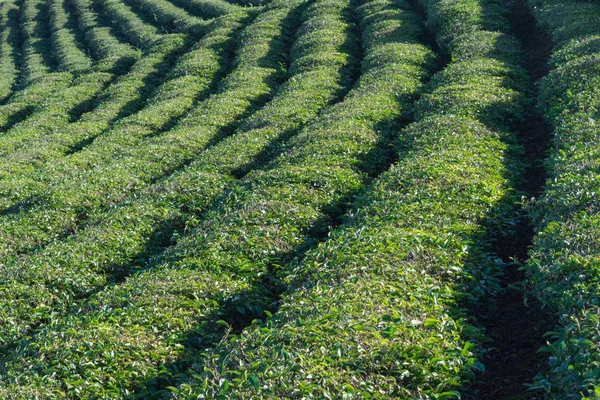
(48, 112)
(50, 131)
(358, 122)
(377, 310)
(54, 111)
(23, 102)
(146, 151)
(206, 8)
(168, 17)
(127, 378)
(289, 110)
(9, 33)
(564, 265)
(25, 187)
(222, 220)
(285, 112)
(36, 48)
(127, 23)
(266, 218)
(67, 267)
(66, 49)
(102, 43)
(37, 83)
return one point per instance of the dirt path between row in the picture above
(517, 324)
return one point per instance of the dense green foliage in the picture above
(374, 311)
(565, 262)
(126, 22)
(66, 49)
(287, 198)
(9, 31)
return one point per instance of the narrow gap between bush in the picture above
(516, 324)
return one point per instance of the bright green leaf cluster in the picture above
(565, 260)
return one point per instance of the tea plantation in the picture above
(300, 199)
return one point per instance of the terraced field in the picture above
(328, 199)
